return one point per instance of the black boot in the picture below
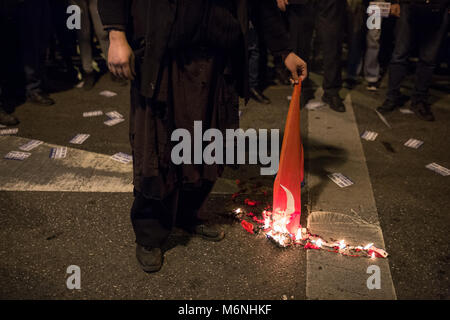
(335, 102)
(422, 110)
(258, 96)
(150, 259)
(388, 106)
(209, 233)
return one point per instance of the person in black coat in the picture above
(188, 62)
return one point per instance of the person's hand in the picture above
(295, 64)
(395, 10)
(282, 4)
(120, 56)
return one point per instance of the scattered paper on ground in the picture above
(80, 138)
(108, 94)
(438, 169)
(92, 114)
(122, 157)
(413, 143)
(315, 104)
(17, 155)
(58, 153)
(383, 119)
(113, 122)
(341, 180)
(6, 132)
(30, 145)
(369, 135)
(406, 111)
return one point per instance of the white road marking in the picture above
(80, 171)
(341, 213)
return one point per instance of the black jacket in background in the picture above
(160, 16)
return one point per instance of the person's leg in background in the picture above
(85, 43)
(330, 26)
(254, 65)
(371, 63)
(34, 40)
(7, 19)
(301, 28)
(431, 35)
(356, 33)
(398, 67)
(100, 32)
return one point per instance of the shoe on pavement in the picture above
(40, 98)
(372, 86)
(422, 110)
(89, 81)
(388, 106)
(209, 233)
(7, 119)
(351, 83)
(150, 259)
(335, 102)
(258, 96)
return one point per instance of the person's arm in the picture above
(273, 30)
(114, 15)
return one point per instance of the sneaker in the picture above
(372, 86)
(150, 259)
(388, 106)
(422, 110)
(335, 102)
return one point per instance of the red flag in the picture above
(287, 185)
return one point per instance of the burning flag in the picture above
(287, 186)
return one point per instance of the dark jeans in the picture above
(329, 17)
(254, 56)
(153, 220)
(419, 24)
(34, 23)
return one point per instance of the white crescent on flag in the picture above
(290, 203)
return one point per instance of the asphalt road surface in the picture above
(44, 232)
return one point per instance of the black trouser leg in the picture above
(153, 220)
(398, 67)
(191, 200)
(34, 38)
(330, 27)
(431, 34)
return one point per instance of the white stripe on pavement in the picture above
(350, 214)
(80, 171)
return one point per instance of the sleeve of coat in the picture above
(271, 26)
(114, 13)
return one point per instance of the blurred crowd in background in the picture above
(40, 55)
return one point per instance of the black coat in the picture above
(161, 15)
